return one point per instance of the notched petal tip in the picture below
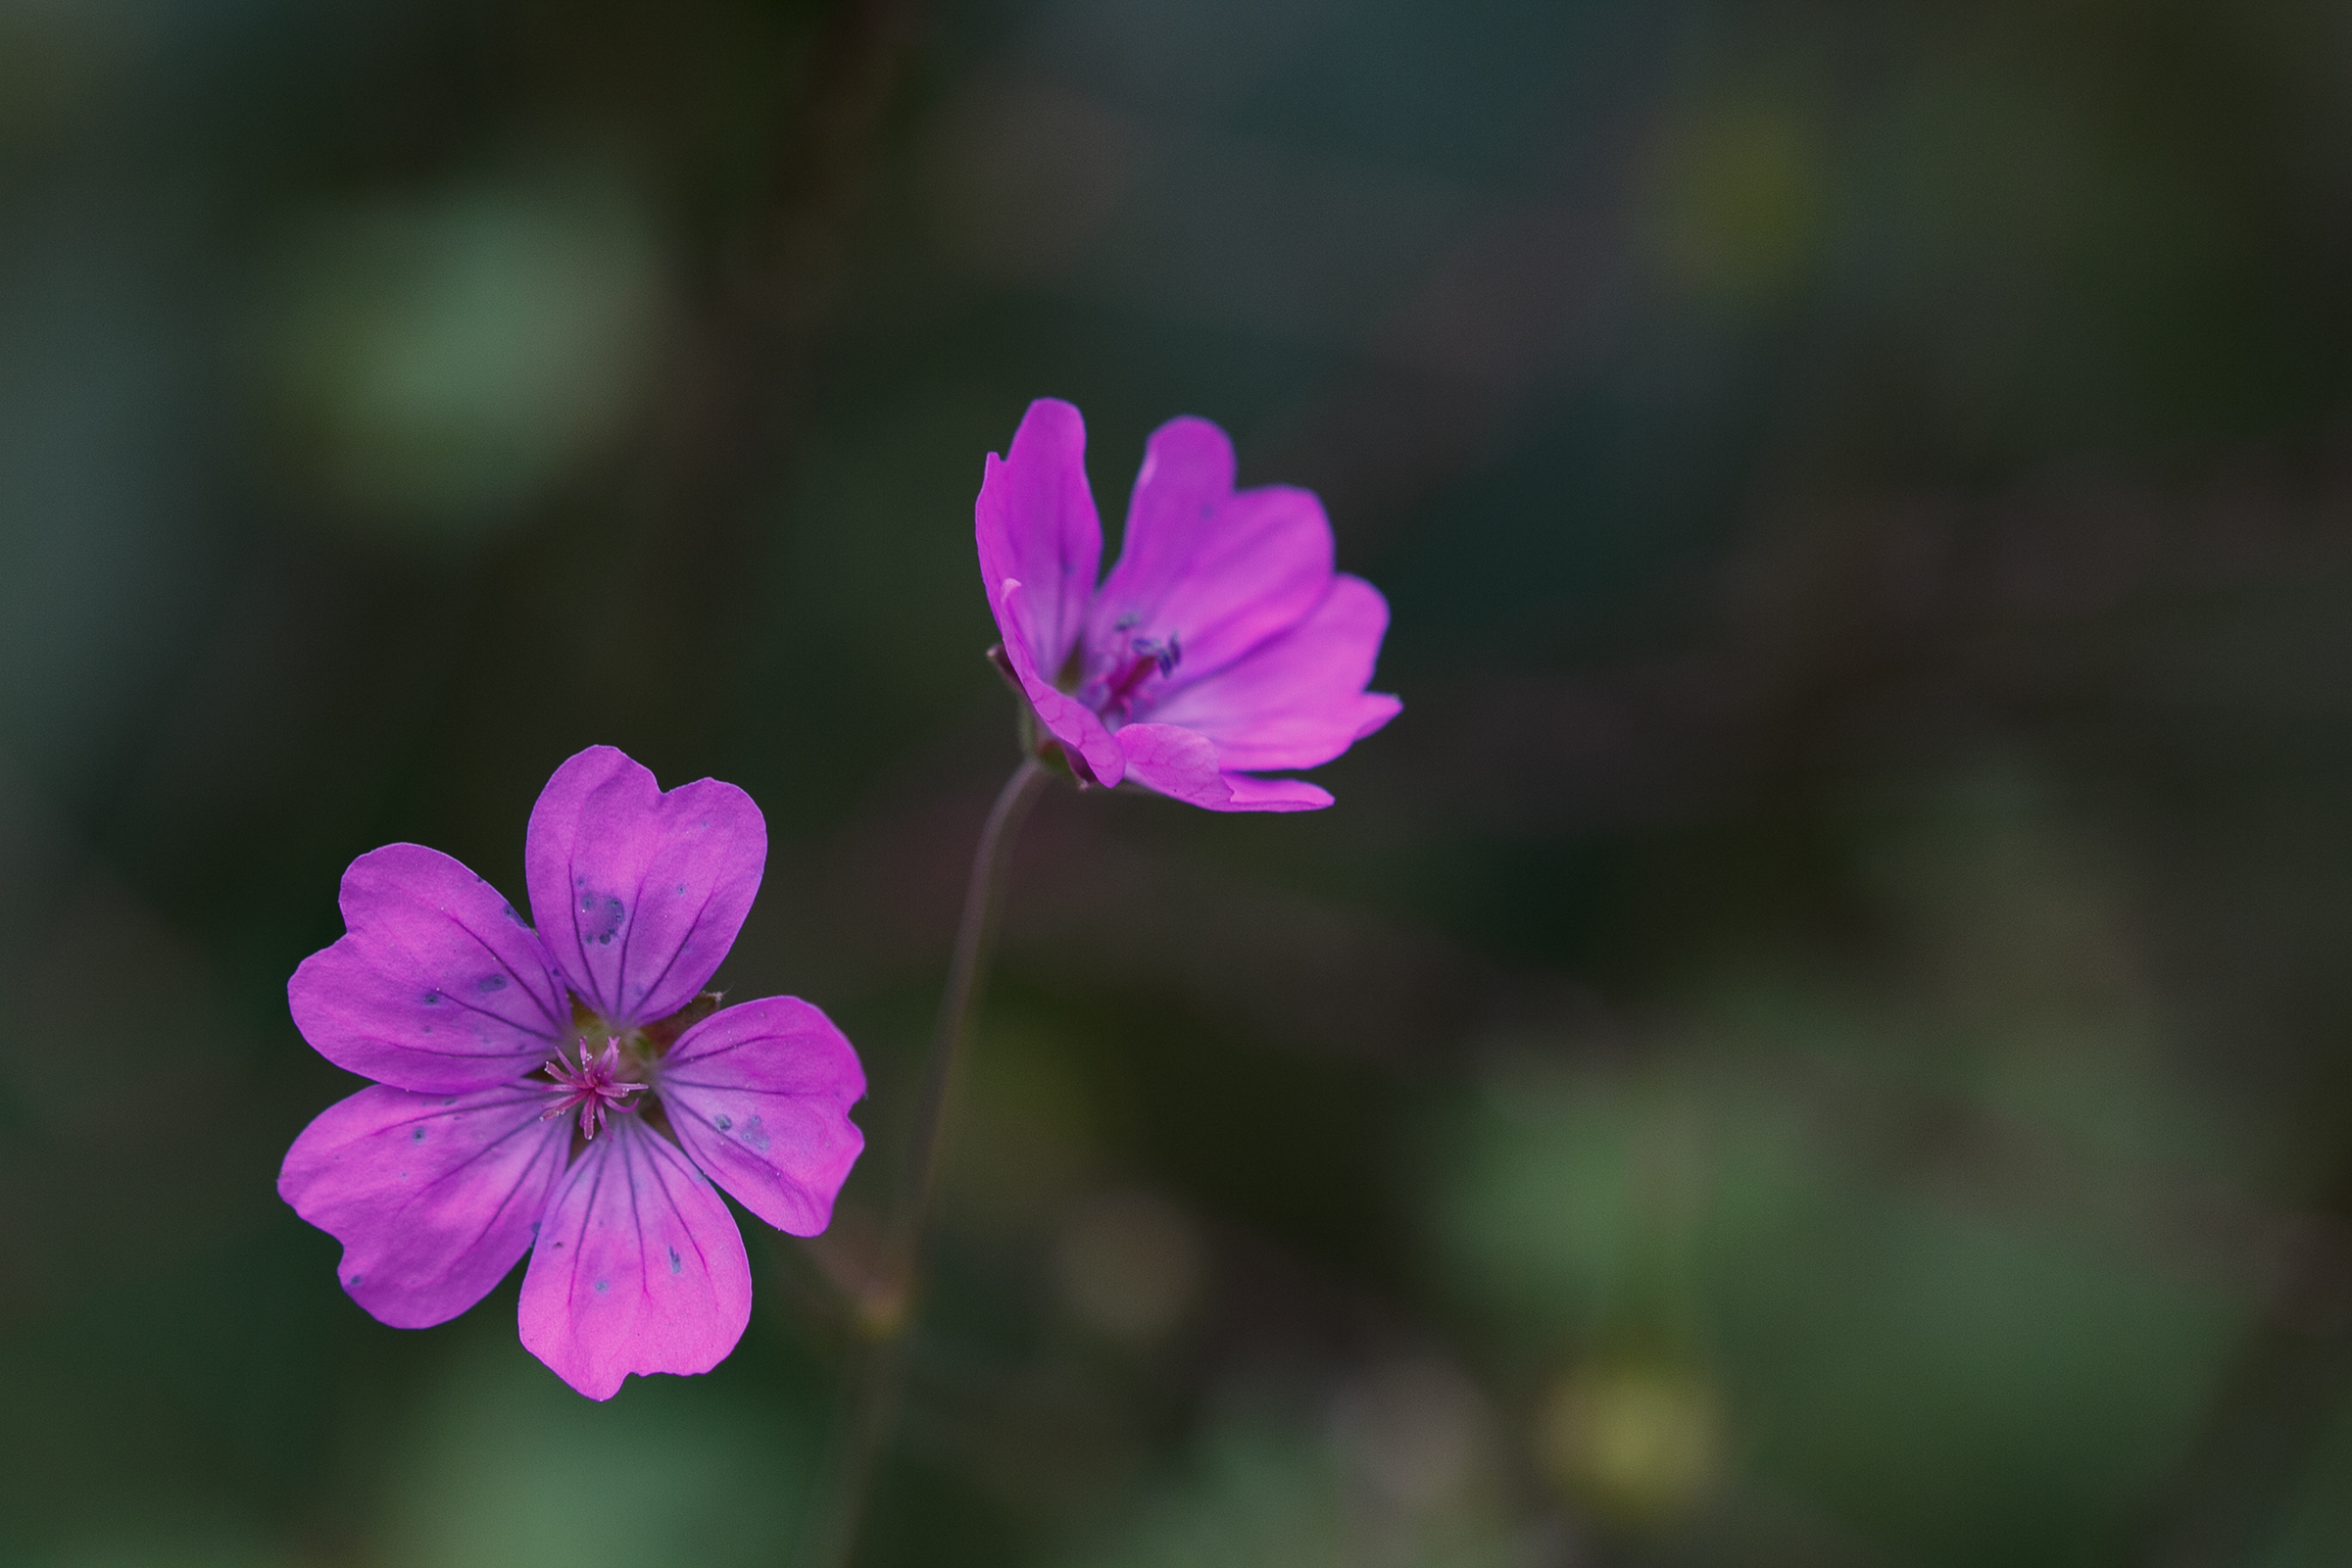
(434, 986)
(639, 892)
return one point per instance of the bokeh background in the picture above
(1820, 1037)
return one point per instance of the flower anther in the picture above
(595, 1087)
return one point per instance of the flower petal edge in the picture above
(639, 892)
(760, 1097)
(436, 984)
(434, 1197)
(639, 1267)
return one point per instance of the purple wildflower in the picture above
(461, 1155)
(1221, 646)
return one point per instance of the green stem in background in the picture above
(874, 1381)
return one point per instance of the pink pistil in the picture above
(593, 1087)
(1145, 655)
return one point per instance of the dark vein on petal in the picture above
(696, 924)
(500, 961)
(571, 915)
(488, 1055)
(644, 1295)
(635, 912)
(442, 1109)
(795, 1091)
(482, 1154)
(518, 977)
(529, 1170)
(693, 1237)
(595, 1187)
(713, 1052)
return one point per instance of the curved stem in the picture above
(874, 1385)
(959, 1005)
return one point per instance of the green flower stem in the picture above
(875, 1379)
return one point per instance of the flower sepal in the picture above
(1035, 740)
(663, 1033)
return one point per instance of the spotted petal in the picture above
(433, 1197)
(638, 893)
(639, 1267)
(760, 1094)
(437, 984)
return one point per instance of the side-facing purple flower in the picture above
(1221, 646)
(466, 1153)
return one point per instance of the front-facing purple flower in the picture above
(1221, 646)
(569, 1091)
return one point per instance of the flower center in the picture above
(595, 1086)
(1127, 666)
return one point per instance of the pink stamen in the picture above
(1145, 657)
(593, 1086)
(1124, 683)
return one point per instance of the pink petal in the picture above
(1222, 571)
(433, 1197)
(761, 1095)
(437, 985)
(1183, 764)
(1272, 795)
(1035, 524)
(1071, 722)
(1177, 763)
(1299, 700)
(639, 894)
(639, 1267)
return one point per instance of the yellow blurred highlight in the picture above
(1633, 1442)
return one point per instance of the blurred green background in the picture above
(1821, 1035)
